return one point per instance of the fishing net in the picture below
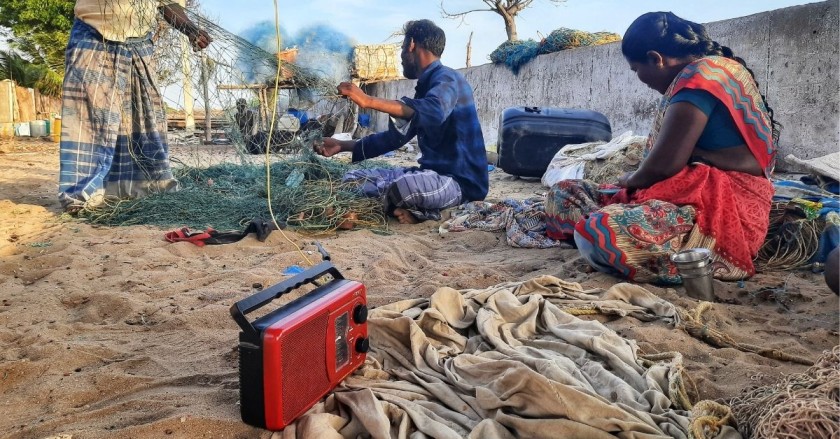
(616, 165)
(377, 62)
(284, 92)
(515, 54)
(797, 406)
(242, 118)
(563, 38)
(793, 236)
(305, 190)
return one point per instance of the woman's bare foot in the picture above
(404, 216)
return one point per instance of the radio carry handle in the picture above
(262, 298)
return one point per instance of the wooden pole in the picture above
(189, 100)
(469, 50)
(208, 117)
(264, 109)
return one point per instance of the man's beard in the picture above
(410, 70)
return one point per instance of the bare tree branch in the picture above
(447, 14)
(507, 9)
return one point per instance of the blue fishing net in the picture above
(515, 54)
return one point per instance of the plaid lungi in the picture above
(422, 192)
(113, 133)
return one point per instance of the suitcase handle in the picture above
(262, 298)
(533, 110)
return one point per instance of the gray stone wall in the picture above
(792, 51)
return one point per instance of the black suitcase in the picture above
(529, 137)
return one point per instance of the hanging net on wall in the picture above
(515, 54)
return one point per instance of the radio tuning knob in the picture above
(360, 314)
(362, 345)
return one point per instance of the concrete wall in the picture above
(793, 53)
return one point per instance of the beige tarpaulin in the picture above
(508, 362)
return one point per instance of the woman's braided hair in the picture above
(670, 35)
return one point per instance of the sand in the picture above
(116, 333)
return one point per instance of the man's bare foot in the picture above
(404, 216)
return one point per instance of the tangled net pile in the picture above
(798, 406)
(616, 165)
(793, 236)
(305, 190)
(299, 188)
(563, 38)
(515, 54)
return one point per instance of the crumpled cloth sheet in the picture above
(523, 221)
(506, 362)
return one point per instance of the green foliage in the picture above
(28, 74)
(40, 28)
(39, 31)
(50, 84)
(14, 67)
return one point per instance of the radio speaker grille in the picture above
(304, 354)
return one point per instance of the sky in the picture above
(376, 21)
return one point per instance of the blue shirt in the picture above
(720, 131)
(448, 133)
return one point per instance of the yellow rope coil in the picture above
(707, 419)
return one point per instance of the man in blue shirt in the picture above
(442, 115)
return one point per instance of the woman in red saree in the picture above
(704, 181)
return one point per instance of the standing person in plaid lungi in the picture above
(113, 136)
(443, 117)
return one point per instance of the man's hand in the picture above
(176, 16)
(328, 148)
(199, 39)
(354, 93)
(360, 98)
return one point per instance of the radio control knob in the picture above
(360, 314)
(362, 345)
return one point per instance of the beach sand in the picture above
(112, 332)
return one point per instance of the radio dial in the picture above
(360, 314)
(362, 345)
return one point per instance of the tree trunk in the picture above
(208, 116)
(510, 27)
(189, 111)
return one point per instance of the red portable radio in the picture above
(293, 356)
